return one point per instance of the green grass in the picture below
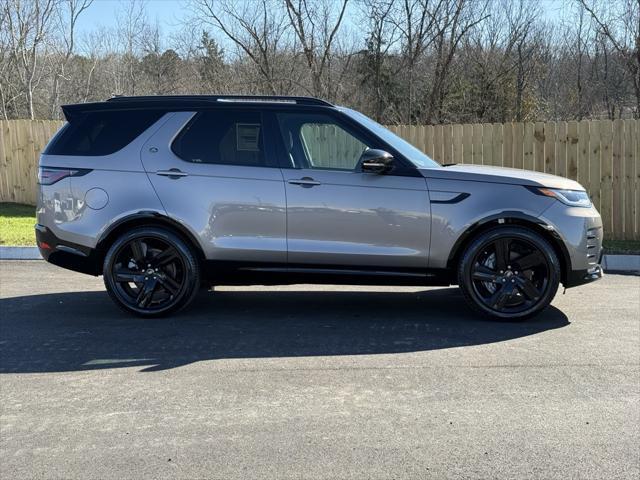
(16, 228)
(16, 224)
(622, 246)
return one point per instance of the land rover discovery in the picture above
(163, 195)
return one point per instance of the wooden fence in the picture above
(21, 142)
(602, 155)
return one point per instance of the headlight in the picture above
(573, 198)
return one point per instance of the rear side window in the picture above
(223, 137)
(101, 133)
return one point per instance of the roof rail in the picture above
(225, 98)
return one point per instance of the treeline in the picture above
(399, 61)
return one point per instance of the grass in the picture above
(16, 228)
(16, 224)
(622, 246)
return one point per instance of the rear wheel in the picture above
(151, 271)
(509, 273)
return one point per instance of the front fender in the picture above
(452, 223)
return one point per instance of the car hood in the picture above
(511, 176)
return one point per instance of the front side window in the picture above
(223, 137)
(411, 153)
(317, 141)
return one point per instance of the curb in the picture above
(20, 253)
(621, 263)
(610, 263)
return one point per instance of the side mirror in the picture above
(376, 161)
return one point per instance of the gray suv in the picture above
(163, 195)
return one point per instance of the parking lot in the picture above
(315, 382)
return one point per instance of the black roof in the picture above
(223, 98)
(185, 102)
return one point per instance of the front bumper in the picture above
(576, 278)
(579, 232)
(66, 254)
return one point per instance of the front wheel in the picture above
(509, 273)
(150, 272)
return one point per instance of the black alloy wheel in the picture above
(151, 271)
(510, 273)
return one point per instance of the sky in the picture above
(171, 13)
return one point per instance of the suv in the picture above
(162, 195)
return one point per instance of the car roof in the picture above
(187, 102)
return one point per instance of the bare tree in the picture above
(28, 29)
(259, 30)
(373, 64)
(416, 20)
(619, 23)
(522, 18)
(400, 61)
(316, 28)
(133, 29)
(454, 22)
(67, 14)
(5, 60)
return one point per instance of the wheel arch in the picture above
(145, 219)
(511, 218)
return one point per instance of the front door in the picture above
(337, 215)
(218, 177)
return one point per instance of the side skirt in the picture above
(232, 273)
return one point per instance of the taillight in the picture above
(51, 175)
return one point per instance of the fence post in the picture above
(630, 186)
(476, 155)
(518, 145)
(572, 150)
(538, 147)
(467, 143)
(583, 153)
(550, 147)
(428, 140)
(561, 149)
(438, 150)
(617, 181)
(606, 174)
(507, 145)
(527, 146)
(496, 145)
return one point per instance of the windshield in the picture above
(415, 156)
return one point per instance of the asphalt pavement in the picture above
(315, 382)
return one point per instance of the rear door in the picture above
(215, 172)
(338, 215)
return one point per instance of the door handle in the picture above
(172, 173)
(306, 182)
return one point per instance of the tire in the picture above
(151, 272)
(509, 273)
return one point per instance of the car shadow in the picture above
(84, 330)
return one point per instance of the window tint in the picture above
(411, 153)
(318, 141)
(222, 137)
(101, 133)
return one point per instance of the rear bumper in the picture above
(66, 254)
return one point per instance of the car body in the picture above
(275, 190)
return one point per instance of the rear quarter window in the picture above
(101, 133)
